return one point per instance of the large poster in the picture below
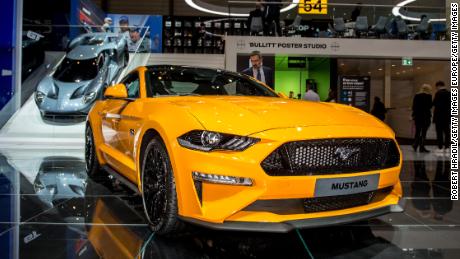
(259, 66)
(144, 32)
(355, 91)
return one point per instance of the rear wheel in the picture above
(92, 164)
(159, 190)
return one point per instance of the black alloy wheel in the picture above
(159, 190)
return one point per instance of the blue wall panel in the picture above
(7, 42)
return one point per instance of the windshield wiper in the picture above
(183, 94)
(188, 94)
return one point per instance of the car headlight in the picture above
(39, 96)
(89, 97)
(209, 140)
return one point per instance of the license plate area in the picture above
(346, 185)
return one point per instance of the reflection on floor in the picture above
(57, 212)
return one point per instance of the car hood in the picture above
(67, 89)
(248, 115)
(49, 84)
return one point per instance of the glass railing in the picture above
(407, 20)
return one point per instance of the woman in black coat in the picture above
(421, 114)
(379, 109)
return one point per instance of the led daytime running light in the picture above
(221, 179)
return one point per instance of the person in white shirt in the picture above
(107, 26)
(311, 95)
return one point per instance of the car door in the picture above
(120, 123)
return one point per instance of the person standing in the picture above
(262, 73)
(332, 96)
(107, 26)
(379, 110)
(272, 12)
(441, 116)
(356, 12)
(257, 13)
(421, 114)
(311, 95)
(123, 24)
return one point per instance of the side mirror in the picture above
(282, 95)
(117, 91)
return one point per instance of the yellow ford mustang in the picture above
(222, 150)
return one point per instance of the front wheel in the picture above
(159, 189)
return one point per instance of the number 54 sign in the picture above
(313, 7)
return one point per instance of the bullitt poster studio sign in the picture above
(287, 45)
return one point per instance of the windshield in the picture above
(71, 70)
(92, 41)
(170, 80)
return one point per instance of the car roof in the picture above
(89, 50)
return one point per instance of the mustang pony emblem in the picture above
(344, 153)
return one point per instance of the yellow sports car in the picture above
(222, 150)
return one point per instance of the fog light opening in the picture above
(221, 179)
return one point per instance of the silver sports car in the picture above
(93, 62)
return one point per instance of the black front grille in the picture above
(319, 204)
(344, 201)
(331, 156)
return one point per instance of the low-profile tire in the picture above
(159, 190)
(92, 164)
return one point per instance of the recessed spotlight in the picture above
(342, 64)
(380, 69)
(393, 65)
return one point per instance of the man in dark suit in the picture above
(258, 71)
(441, 116)
(379, 109)
(421, 114)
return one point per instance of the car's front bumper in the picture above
(220, 203)
(72, 107)
(286, 226)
